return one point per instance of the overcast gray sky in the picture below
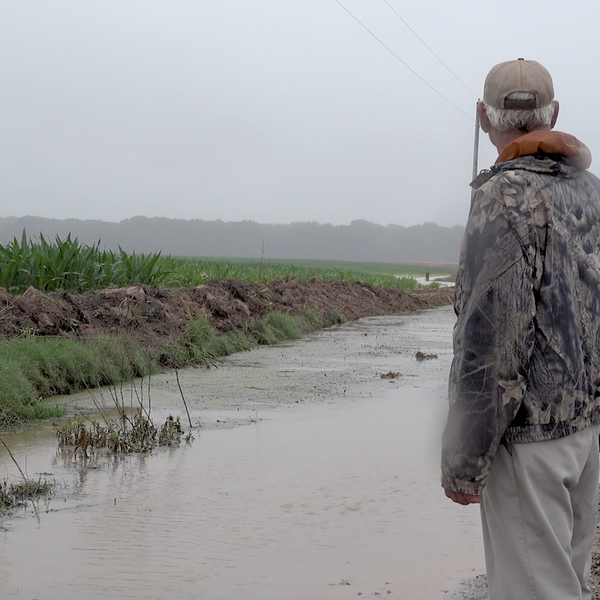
(269, 110)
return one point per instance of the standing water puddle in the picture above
(322, 502)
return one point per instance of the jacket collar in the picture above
(575, 152)
(536, 145)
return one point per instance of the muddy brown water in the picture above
(329, 491)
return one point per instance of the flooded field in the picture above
(330, 490)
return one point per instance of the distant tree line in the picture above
(359, 241)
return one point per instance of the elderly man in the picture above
(522, 431)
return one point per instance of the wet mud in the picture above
(330, 490)
(341, 364)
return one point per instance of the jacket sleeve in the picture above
(493, 339)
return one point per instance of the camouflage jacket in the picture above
(526, 362)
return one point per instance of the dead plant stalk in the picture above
(183, 397)
(13, 459)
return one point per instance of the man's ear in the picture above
(555, 116)
(484, 120)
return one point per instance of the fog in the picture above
(271, 110)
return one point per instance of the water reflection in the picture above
(325, 503)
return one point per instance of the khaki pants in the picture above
(538, 511)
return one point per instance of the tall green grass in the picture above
(33, 369)
(70, 265)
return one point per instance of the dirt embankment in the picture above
(153, 314)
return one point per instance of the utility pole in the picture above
(475, 148)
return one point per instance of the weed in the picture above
(201, 335)
(120, 435)
(13, 495)
(133, 430)
(171, 432)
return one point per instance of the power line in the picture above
(409, 68)
(432, 52)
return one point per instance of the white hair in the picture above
(504, 119)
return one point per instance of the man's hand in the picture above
(463, 499)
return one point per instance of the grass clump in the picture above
(14, 495)
(276, 328)
(285, 326)
(202, 346)
(19, 400)
(313, 318)
(131, 431)
(336, 317)
(239, 342)
(262, 332)
(202, 335)
(121, 358)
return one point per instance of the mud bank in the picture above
(151, 314)
(61, 339)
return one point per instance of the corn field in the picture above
(67, 264)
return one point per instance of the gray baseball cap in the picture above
(518, 76)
